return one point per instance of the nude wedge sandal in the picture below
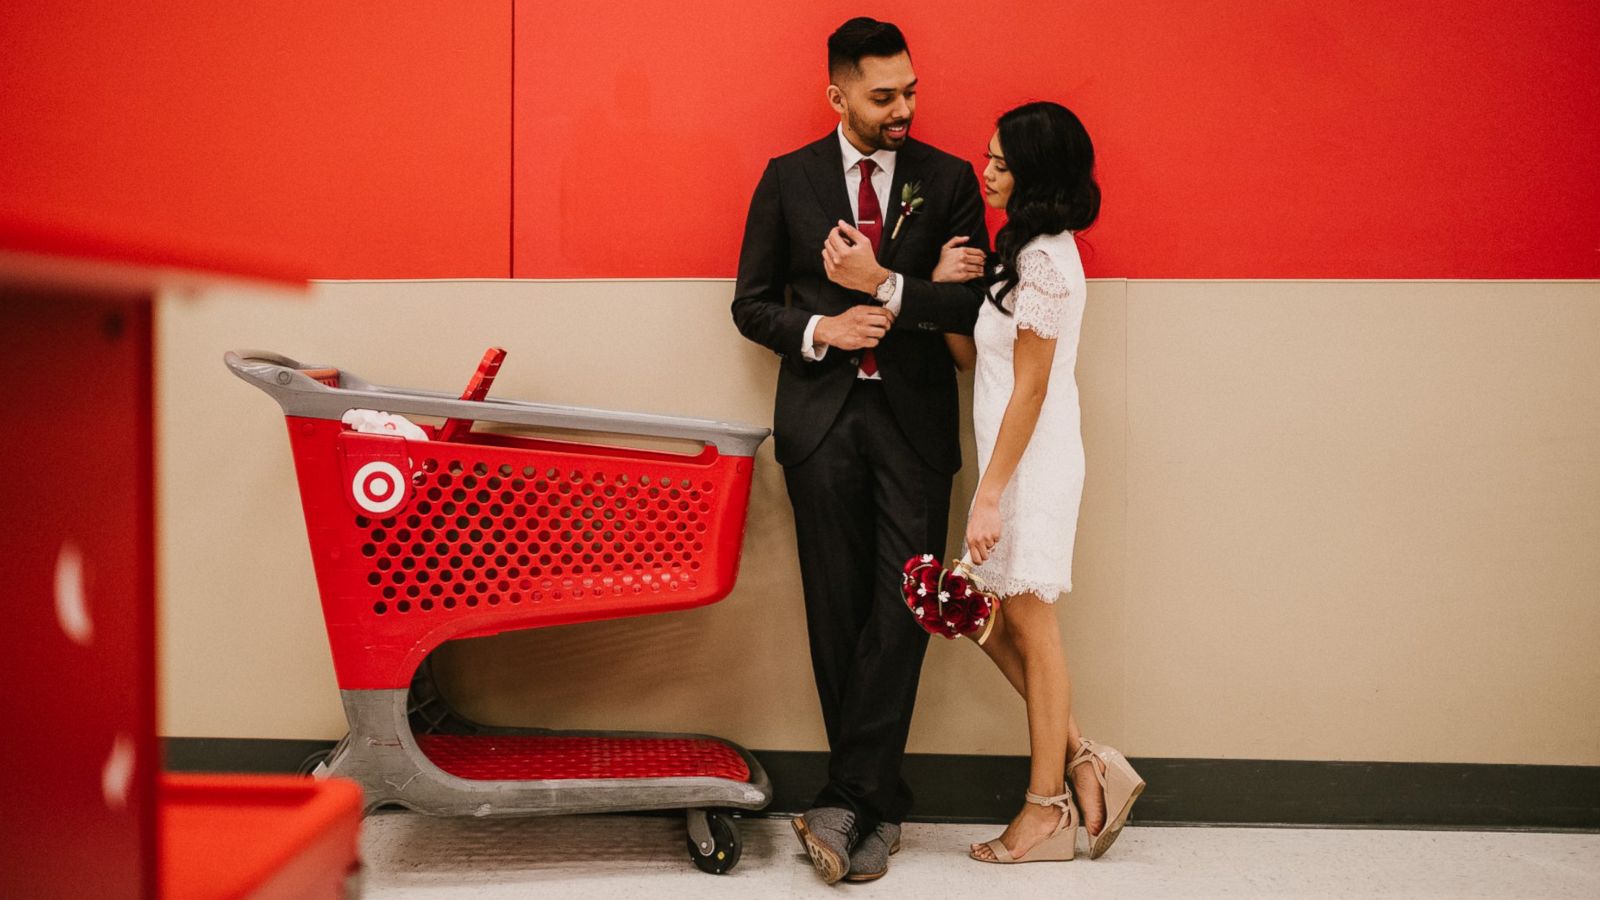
(1120, 785)
(1058, 847)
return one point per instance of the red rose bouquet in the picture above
(946, 603)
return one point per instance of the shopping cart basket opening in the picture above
(662, 448)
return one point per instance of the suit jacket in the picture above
(782, 284)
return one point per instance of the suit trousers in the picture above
(865, 502)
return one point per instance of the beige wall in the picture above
(1323, 520)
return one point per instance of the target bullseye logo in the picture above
(378, 487)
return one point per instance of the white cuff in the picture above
(808, 348)
(893, 303)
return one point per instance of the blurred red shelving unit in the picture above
(92, 814)
(263, 836)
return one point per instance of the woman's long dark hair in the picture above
(1051, 160)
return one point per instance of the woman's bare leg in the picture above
(1002, 650)
(1036, 637)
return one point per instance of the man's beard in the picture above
(874, 134)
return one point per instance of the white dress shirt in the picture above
(882, 180)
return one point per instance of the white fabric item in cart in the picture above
(371, 421)
(1039, 507)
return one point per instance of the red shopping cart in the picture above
(458, 532)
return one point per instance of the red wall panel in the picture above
(362, 139)
(1251, 138)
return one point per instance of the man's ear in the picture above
(836, 98)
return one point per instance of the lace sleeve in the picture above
(1041, 294)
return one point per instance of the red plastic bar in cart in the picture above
(477, 389)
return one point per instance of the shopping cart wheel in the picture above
(713, 840)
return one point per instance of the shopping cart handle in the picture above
(299, 394)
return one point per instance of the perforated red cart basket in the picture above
(460, 533)
(418, 542)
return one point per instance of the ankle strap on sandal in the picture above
(1057, 800)
(1086, 754)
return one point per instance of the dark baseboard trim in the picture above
(964, 788)
(266, 756)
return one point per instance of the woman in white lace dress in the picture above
(1024, 516)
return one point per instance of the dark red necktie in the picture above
(869, 221)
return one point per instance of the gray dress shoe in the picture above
(828, 834)
(869, 861)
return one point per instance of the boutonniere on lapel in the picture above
(910, 205)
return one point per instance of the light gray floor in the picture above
(596, 857)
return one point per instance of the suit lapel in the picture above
(825, 171)
(907, 170)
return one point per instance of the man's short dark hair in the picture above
(860, 37)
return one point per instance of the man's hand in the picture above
(855, 328)
(848, 259)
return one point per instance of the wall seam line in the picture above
(511, 207)
(1127, 517)
(1124, 281)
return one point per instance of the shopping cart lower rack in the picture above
(455, 532)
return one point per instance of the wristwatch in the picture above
(886, 290)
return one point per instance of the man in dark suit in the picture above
(842, 238)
